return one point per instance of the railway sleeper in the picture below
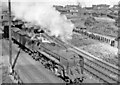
(67, 80)
(47, 65)
(100, 74)
(90, 62)
(37, 58)
(96, 76)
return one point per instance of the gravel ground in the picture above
(103, 51)
(4, 77)
(81, 40)
(98, 49)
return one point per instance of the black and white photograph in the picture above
(60, 42)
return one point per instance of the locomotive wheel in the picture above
(51, 68)
(25, 50)
(42, 60)
(47, 65)
(68, 80)
(33, 57)
(61, 73)
(81, 80)
(76, 81)
(30, 53)
(36, 57)
(56, 71)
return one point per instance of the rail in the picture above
(107, 67)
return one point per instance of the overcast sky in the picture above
(83, 2)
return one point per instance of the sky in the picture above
(84, 3)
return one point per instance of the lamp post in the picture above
(10, 39)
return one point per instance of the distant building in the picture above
(61, 9)
(58, 7)
(101, 6)
(4, 15)
(94, 7)
(72, 8)
(67, 9)
(114, 10)
(115, 7)
(88, 8)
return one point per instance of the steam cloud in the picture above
(45, 15)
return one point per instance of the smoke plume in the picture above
(44, 14)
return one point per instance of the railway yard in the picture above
(98, 49)
(96, 66)
(90, 56)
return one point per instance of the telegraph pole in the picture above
(10, 39)
(118, 24)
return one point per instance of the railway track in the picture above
(108, 70)
(92, 70)
(99, 69)
(94, 66)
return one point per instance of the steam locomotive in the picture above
(70, 69)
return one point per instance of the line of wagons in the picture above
(70, 70)
(110, 41)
